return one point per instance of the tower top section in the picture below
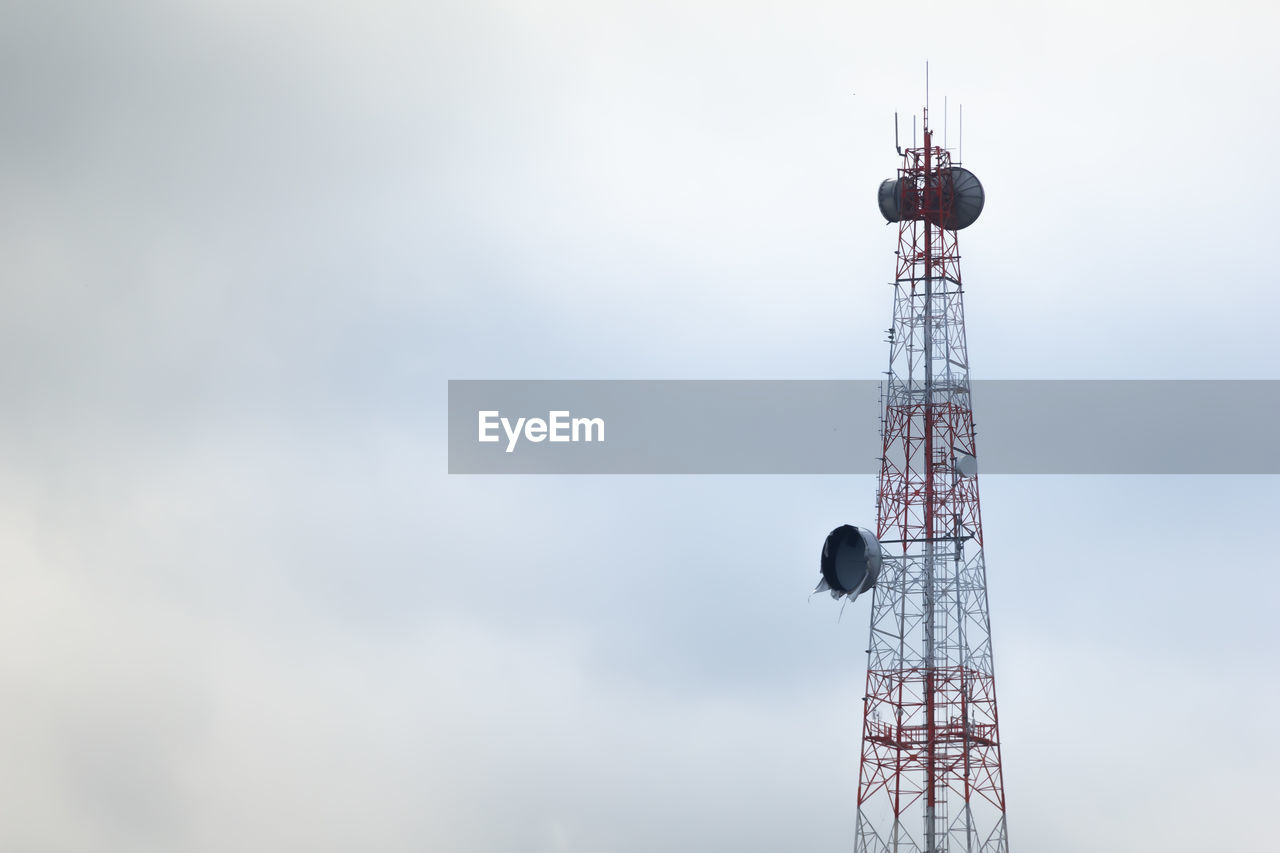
(930, 189)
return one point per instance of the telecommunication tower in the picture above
(930, 777)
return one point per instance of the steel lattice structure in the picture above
(930, 776)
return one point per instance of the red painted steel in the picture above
(930, 776)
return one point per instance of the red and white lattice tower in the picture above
(930, 777)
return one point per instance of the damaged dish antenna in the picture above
(850, 562)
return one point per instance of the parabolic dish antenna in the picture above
(850, 562)
(960, 197)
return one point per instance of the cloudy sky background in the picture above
(246, 244)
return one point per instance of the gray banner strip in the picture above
(832, 427)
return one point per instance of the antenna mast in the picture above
(930, 779)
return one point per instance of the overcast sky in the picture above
(246, 244)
